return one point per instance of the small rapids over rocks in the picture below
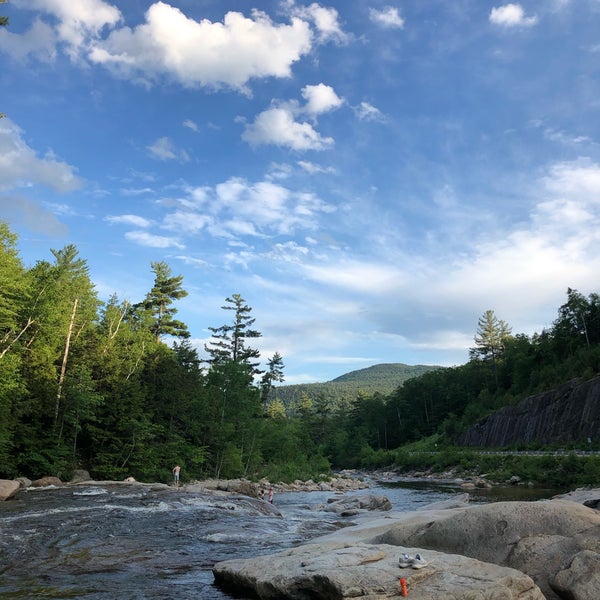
(131, 541)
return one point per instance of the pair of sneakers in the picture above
(416, 562)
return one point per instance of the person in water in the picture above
(176, 470)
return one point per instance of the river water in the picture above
(141, 541)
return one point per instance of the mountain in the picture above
(383, 378)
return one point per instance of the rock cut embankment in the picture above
(568, 413)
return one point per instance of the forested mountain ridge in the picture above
(382, 378)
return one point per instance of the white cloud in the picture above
(41, 218)
(20, 165)
(186, 222)
(78, 22)
(38, 42)
(521, 273)
(204, 53)
(320, 98)
(164, 149)
(238, 208)
(325, 20)
(135, 220)
(277, 126)
(312, 168)
(511, 15)
(368, 112)
(387, 17)
(144, 238)
(190, 125)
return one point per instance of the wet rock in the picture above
(8, 488)
(47, 481)
(352, 505)
(335, 571)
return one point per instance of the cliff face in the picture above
(568, 413)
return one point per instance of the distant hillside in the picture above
(382, 378)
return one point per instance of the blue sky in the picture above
(370, 176)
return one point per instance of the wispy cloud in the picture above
(135, 220)
(164, 149)
(21, 166)
(511, 15)
(143, 238)
(388, 17)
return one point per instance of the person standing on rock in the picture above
(176, 470)
(271, 495)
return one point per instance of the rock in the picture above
(335, 571)
(538, 538)
(351, 505)
(47, 481)
(79, 476)
(24, 482)
(8, 488)
(568, 413)
(581, 579)
(587, 496)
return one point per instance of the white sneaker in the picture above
(405, 561)
(418, 562)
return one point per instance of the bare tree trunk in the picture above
(63, 368)
(16, 338)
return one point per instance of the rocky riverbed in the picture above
(540, 550)
(533, 550)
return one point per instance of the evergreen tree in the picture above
(490, 339)
(274, 373)
(230, 340)
(157, 304)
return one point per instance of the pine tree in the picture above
(157, 304)
(490, 340)
(230, 340)
(274, 373)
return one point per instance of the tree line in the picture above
(117, 388)
(92, 384)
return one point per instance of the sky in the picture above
(370, 177)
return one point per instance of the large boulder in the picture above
(333, 571)
(8, 488)
(538, 538)
(80, 476)
(581, 579)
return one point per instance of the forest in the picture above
(116, 387)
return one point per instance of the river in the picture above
(127, 541)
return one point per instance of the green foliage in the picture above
(93, 385)
(156, 307)
(340, 392)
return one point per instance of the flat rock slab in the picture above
(331, 571)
